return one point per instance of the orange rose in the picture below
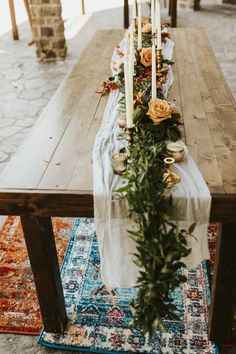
(147, 28)
(159, 110)
(146, 56)
(144, 19)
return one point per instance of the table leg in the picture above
(169, 11)
(224, 286)
(173, 14)
(83, 7)
(126, 13)
(196, 5)
(13, 20)
(42, 252)
(26, 2)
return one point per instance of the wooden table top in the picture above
(56, 157)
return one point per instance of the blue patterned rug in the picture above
(99, 318)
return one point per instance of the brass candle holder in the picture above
(170, 177)
(159, 58)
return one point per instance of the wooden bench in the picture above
(51, 175)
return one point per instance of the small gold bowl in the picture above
(119, 161)
(176, 151)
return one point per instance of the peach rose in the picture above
(147, 28)
(159, 110)
(144, 19)
(146, 56)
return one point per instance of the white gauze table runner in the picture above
(191, 198)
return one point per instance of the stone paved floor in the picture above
(26, 87)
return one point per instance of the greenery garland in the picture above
(160, 242)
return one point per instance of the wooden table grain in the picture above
(51, 175)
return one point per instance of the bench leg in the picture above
(42, 252)
(224, 286)
(126, 13)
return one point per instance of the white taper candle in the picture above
(154, 78)
(131, 76)
(134, 10)
(158, 24)
(153, 16)
(139, 25)
(127, 92)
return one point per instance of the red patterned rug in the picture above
(19, 309)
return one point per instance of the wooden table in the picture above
(51, 175)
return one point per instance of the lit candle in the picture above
(139, 25)
(153, 16)
(134, 10)
(154, 78)
(158, 24)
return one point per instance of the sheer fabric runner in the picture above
(191, 198)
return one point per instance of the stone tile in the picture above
(4, 156)
(19, 110)
(12, 344)
(40, 103)
(28, 122)
(6, 122)
(34, 84)
(31, 94)
(14, 74)
(9, 131)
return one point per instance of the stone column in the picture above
(48, 29)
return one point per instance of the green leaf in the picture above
(122, 189)
(192, 228)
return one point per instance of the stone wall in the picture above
(48, 29)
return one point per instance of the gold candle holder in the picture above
(176, 151)
(119, 161)
(129, 134)
(159, 58)
(170, 177)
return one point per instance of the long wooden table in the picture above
(51, 175)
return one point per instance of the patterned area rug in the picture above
(99, 319)
(19, 309)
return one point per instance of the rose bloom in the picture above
(144, 19)
(159, 110)
(147, 28)
(146, 56)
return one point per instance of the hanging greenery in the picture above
(160, 243)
